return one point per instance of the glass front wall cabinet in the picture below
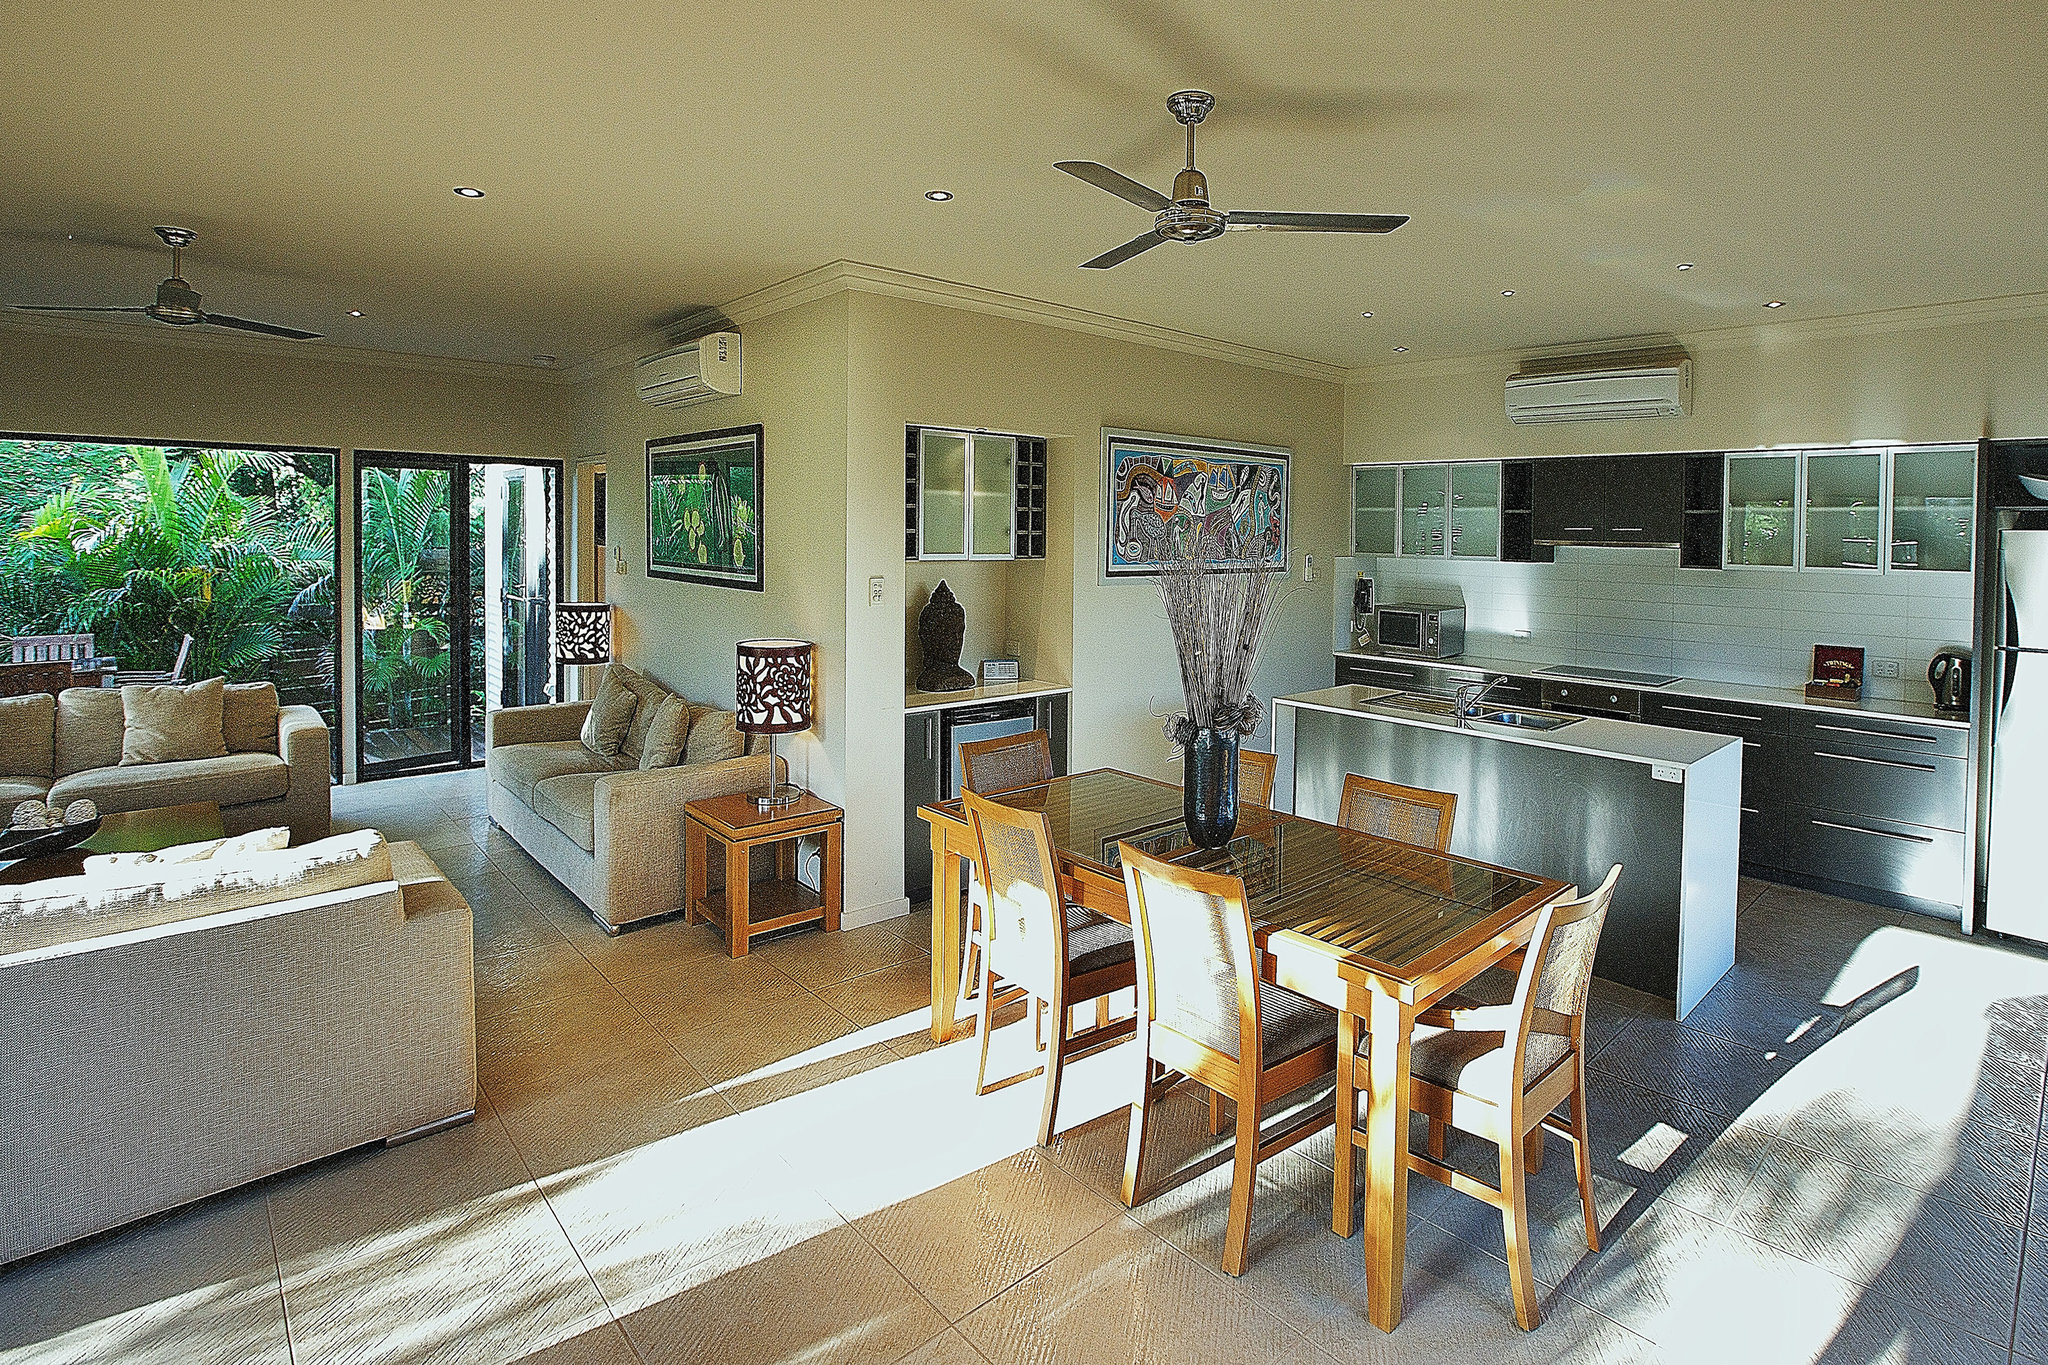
(992, 461)
(1425, 523)
(1475, 510)
(1373, 516)
(1844, 509)
(942, 495)
(1762, 512)
(1934, 492)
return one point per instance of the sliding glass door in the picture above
(457, 570)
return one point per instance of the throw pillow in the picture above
(611, 715)
(223, 851)
(667, 734)
(89, 725)
(248, 718)
(650, 693)
(714, 736)
(28, 735)
(171, 724)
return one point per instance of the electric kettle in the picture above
(1949, 676)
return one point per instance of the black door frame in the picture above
(458, 467)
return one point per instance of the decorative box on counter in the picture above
(1837, 673)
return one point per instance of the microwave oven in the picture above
(1431, 632)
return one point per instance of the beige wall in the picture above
(1771, 387)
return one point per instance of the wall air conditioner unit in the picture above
(1590, 388)
(707, 368)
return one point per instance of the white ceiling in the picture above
(641, 158)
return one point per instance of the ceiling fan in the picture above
(176, 301)
(1187, 216)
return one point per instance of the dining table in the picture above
(1376, 930)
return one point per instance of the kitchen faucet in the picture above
(1478, 691)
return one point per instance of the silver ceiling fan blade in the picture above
(1117, 256)
(1118, 184)
(1316, 222)
(268, 329)
(75, 308)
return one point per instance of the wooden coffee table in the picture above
(745, 908)
(128, 831)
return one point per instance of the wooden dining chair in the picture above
(1388, 810)
(995, 765)
(1255, 777)
(141, 677)
(1498, 1069)
(1058, 955)
(1203, 1013)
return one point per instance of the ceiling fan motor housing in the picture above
(176, 302)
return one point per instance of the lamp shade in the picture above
(583, 632)
(774, 686)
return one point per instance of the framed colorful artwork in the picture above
(1161, 493)
(704, 508)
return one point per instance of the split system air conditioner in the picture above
(1589, 388)
(707, 368)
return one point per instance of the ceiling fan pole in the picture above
(1191, 146)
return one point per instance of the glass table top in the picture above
(1381, 900)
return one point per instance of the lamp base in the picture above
(775, 797)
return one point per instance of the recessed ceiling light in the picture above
(1775, 303)
(1685, 265)
(1507, 293)
(938, 196)
(1366, 314)
(1399, 349)
(355, 312)
(469, 191)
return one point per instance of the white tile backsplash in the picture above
(1636, 609)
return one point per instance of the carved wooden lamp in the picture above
(773, 697)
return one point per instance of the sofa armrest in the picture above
(535, 724)
(307, 749)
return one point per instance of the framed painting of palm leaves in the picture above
(704, 508)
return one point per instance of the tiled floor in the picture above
(682, 1157)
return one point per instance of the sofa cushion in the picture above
(517, 767)
(232, 780)
(89, 725)
(611, 713)
(28, 735)
(714, 736)
(663, 747)
(166, 723)
(569, 803)
(421, 881)
(650, 694)
(15, 790)
(248, 718)
(64, 909)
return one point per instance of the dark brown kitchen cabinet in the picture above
(1609, 500)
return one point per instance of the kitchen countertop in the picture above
(915, 701)
(1595, 735)
(1691, 687)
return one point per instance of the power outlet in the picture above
(875, 591)
(1884, 668)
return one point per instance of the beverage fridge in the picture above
(2012, 688)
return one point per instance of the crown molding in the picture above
(855, 277)
(181, 338)
(1749, 336)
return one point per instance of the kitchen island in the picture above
(1565, 802)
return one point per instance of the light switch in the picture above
(875, 591)
(1308, 568)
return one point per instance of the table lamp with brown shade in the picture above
(773, 697)
(583, 633)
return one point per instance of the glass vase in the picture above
(1209, 787)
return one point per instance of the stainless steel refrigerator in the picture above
(2013, 690)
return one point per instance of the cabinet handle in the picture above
(1578, 528)
(1880, 762)
(1632, 530)
(931, 740)
(1751, 744)
(1880, 833)
(1704, 711)
(1877, 734)
(1750, 810)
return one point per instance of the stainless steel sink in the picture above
(1441, 707)
(1528, 720)
(1444, 708)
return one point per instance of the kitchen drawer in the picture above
(1715, 716)
(1771, 779)
(1860, 732)
(1379, 673)
(1916, 788)
(1887, 855)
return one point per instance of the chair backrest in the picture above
(1550, 994)
(1255, 777)
(184, 654)
(1388, 810)
(21, 680)
(1026, 927)
(997, 765)
(44, 649)
(1197, 972)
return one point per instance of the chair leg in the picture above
(1514, 1214)
(1582, 1156)
(1532, 1149)
(1055, 1068)
(1436, 1138)
(1215, 1113)
(1102, 1011)
(1244, 1172)
(985, 1025)
(1141, 1131)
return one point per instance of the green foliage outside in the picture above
(405, 549)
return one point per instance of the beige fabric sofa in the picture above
(167, 1037)
(608, 830)
(61, 748)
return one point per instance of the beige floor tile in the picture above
(640, 952)
(829, 1297)
(629, 1103)
(947, 1348)
(764, 1035)
(967, 1241)
(604, 1344)
(683, 997)
(197, 1286)
(834, 1062)
(535, 973)
(1124, 1295)
(900, 993)
(540, 1045)
(816, 958)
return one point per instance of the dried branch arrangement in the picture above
(1218, 611)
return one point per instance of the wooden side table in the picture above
(745, 907)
